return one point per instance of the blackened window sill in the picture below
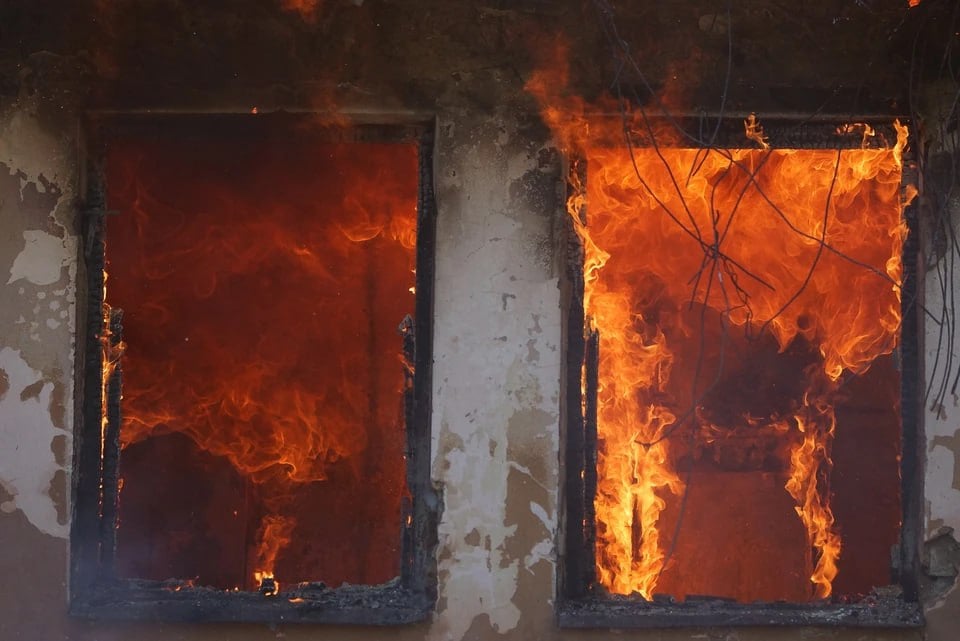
(874, 611)
(135, 600)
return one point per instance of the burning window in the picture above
(259, 419)
(734, 396)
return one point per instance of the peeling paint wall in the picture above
(941, 553)
(497, 431)
(941, 421)
(38, 270)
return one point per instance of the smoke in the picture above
(308, 9)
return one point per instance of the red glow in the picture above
(262, 282)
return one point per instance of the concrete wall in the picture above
(497, 350)
(942, 412)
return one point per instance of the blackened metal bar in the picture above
(110, 464)
(421, 578)
(576, 560)
(911, 408)
(205, 126)
(84, 530)
(407, 330)
(575, 556)
(591, 387)
(781, 132)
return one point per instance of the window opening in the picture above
(262, 402)
(735, 384)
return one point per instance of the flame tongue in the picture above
(808, 481)
(275, 533)
(809, 469)
(633, 369)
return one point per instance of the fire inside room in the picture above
(266, 281)
(744, 311)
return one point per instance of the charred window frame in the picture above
(580, 604)
(95, 590)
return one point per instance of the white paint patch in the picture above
(541, 514)
(27, 463)
(542, 551)
(43, 258)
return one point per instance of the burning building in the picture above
(480, 320)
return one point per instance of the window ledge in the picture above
(134, 600)
(874, 611)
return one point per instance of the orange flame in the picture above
(255, 393)
(264, 328)
(851, 325)
(307, 9)
(275, 533)
(809, 460)
(866, 131)
(754, 131)
(798, 244)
